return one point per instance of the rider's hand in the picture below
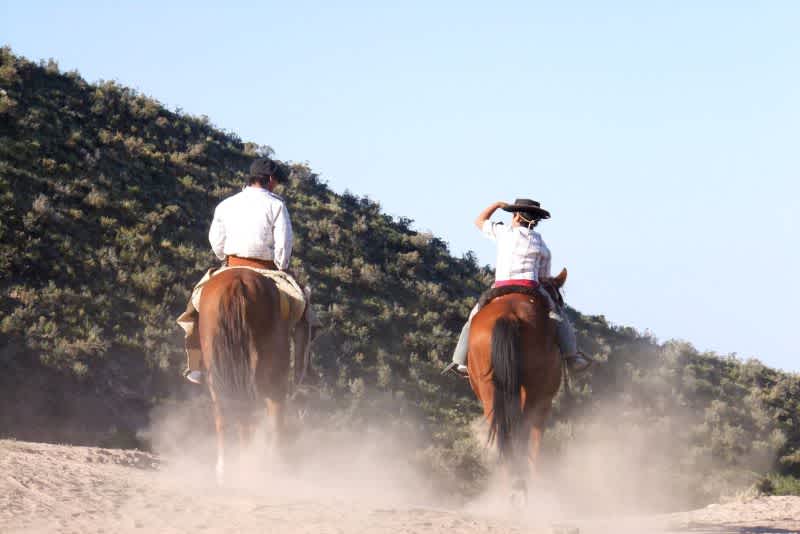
(501, 204)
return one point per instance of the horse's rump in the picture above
(293, 300)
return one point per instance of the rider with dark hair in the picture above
(250, 229)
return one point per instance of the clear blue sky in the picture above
(663, 136)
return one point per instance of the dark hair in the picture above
(262, 179)
(262, 169)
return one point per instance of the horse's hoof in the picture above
(519, 494)
(518, 499)
(220, 472)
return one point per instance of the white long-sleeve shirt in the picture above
(252, 224)
(521, 252)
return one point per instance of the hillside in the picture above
(105, 201)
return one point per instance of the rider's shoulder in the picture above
(275, 196)
(225, 202)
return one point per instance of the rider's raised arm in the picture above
(487, 213)
(216, 235)
(282, 234)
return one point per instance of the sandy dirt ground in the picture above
(66, 489)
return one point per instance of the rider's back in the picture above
(521, 252)
(245, 224)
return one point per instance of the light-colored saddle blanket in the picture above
(293, 300)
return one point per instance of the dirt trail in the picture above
(53, 488)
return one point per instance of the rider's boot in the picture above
(194, 359)
(195, 377)
(457, 368)
(578, 362)
(459, 363)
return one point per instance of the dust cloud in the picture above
(589, 470)
(341, 473)
(317, 460)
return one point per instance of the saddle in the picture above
(547, 285)
(292, 298)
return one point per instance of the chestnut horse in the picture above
(245, 346)
(515, 370)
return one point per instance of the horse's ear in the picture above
(560, 278)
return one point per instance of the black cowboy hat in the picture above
(264, 167)
(528, 207)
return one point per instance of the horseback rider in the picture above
(250, 229)
(522, 260)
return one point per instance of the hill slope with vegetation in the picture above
(105, 201)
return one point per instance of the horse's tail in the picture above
(230, 372)
(506, 407)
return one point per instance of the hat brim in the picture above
(539, 212)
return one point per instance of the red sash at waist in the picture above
(519, 282)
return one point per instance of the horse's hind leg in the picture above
(516, 466)
(245, 431)
(535, 423)
(275, 415)
(273, 381)
(522, 465)
(219, 424)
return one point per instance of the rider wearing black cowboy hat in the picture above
(522, 260)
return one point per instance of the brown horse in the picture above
(245, 346)
(515, 370)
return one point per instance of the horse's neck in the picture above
(553, 291)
